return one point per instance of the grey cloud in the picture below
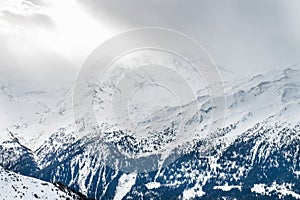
(246, 35)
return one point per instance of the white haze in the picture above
(50, 39)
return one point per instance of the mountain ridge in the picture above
(258, 141)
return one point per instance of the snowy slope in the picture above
(14, 186)
(13, 153)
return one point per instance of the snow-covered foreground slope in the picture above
(15, 186)
(254, 155)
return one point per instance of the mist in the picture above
(46, 40)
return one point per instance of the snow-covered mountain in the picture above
(254, 155)
(17, 157)
(25, 105)
(15, 186)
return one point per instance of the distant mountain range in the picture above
(255, 155)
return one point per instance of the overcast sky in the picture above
(43, 37)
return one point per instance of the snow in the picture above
(39, 111)
(227, 187)
(153, 185)
(297, 173)
(259, 188)
(125, 183)
(15, 186)
(25, 107)
(193, 192)
(281, 190)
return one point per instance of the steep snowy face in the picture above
(269, 96)
(14, 186)
(17, 157)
